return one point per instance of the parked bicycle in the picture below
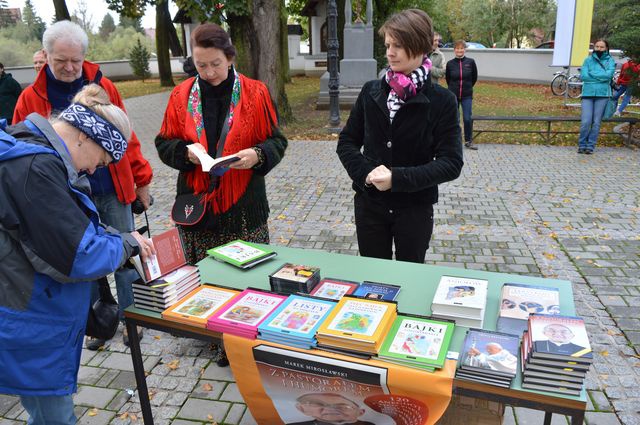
(562, 82)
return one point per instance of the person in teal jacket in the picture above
(52, 247)
(596, 73)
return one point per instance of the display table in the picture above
(418, 281)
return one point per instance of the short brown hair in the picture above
(459, 43)
(412, 29)
(212, 35)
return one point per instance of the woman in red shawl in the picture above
(237, 206)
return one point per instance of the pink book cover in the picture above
(246, 312)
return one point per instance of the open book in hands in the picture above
(208, 163)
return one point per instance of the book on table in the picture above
(197, 306)
(559, 338)
(357, 324)
(295, 321)
(490, 355)
(245, 313)
(334, 289)
(169, 256)
(241, 254)
(461, 299)
(294, 278)
(519, 300)
(417, 341)
(208, 163)
(159, 294)
(377, 291)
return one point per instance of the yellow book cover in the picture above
(359, 320)
(196, 307)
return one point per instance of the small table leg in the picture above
(577, 418)
(547, 418)
(138, 371)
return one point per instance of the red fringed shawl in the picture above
(253, 122)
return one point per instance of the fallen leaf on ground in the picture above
(174, 364)
(92, 412)
(207, 387)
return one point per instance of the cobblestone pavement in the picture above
(534, 210)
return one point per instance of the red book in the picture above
(169, 256)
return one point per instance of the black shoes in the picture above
(94, 344)
(581, 150)
(585, 151)
(470, 145)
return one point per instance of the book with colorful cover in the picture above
(196, 307)
(298, 316)
(246, 312)
(460, 296)
(241, 254)
(493, 353)
(334, 289)
(169, 256)
(377, 291)
(418, 340)
(519, 300)
(561, 338)
(291, 278)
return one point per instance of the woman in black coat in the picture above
(461, 75)
(401, 140)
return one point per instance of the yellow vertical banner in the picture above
(581, 31)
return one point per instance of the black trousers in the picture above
(378, 229)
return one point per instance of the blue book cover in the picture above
(494, 352)
(377, 291)
(298, 317)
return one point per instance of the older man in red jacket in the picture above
(113, 188)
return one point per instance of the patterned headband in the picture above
(97, 129)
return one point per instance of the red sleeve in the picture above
(140, 167)
(27, 103)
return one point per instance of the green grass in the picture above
(135, 88)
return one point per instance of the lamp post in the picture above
(332, 65)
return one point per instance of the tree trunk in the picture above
(62, 12)
(261, 44)
(162, 43)
(174, 41)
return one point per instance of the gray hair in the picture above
(66, 31)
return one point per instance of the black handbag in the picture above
(102, 322)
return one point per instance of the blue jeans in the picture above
(467, 103)
(592, 111)
(625, 100)
(118, 216)
(49, 410)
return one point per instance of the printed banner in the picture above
(283, 385)
(573, 32)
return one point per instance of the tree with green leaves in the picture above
(135, 23)
(139, 61)
(32, 20)
(107, 26)
(625, 35)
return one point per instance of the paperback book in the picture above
(245, 313)
(461, 299)
(208, 163)
(241, 254)
(377, 291)
(491, 355)
(334, 289)
(169, 256)
(291, 278)
(519, 300)
(417, 341)
(159, 294)
(295, 321)
(560, 338)
(195, 308)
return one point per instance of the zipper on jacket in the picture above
(461, 79)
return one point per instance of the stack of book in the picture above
(195, 308)
(418, 342)
(159, 294)
(556, 354)
(489, 357)
(377, 291)
(241, 254)
(295, 321)
(334, 289)
(292, 278)
(245, 313)
(519, 300)
(461, 299)
(357, 325)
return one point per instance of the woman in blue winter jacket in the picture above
(596, 73)
(52, 247)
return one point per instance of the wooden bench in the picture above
(547, 134)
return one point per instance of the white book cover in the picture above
(251, 309)
(204, 303)
(461, 294)
(359, 317)
(419, 339)
(239, 251)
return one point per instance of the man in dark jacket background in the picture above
(9, 91)
(461, 75)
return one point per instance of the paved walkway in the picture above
(534, 210)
